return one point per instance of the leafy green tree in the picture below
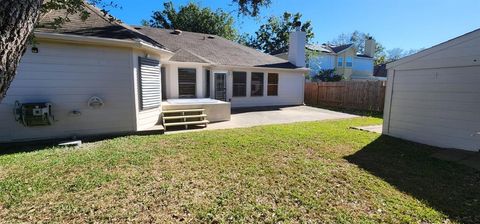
(272, 37)
(327, 75)
(251, 7)
(193, 18)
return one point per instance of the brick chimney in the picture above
(296, 48)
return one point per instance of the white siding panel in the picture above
(439, 107)
(67, 75)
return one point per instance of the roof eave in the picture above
(138, 44)
(302, 69)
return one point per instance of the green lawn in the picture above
(305, 172)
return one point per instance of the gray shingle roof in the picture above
(198, 47)
(340, 48)
(98, 24)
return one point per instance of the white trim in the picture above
(101, 41)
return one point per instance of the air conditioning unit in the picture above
(34, 114)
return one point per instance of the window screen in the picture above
(257, 84)
(239, 84)
(272, 84)
(187, 82)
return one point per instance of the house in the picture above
(433, 97)
(345, 59)
(102, 77)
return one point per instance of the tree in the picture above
(195, 19)
(251, 7)
(327, 75)
(358, 38)
(397, 53)
(273, 36)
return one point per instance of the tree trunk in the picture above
(18, 18)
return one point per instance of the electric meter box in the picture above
(34, 114)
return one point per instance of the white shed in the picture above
(433, 97)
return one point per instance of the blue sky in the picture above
(407, 24)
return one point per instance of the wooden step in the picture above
(186, 116)
(183, 111)
(186, 123)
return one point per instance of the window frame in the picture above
(269, 84)
(340, 62)
(262, 85)
(207, 79)
(185, 96)
(347, 61)
(244, 93)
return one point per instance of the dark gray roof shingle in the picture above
(195, 47)
(98, 24)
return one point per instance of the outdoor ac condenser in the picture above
(34, 114)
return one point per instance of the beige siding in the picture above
(433, 97)
(68, 75)
(436, 106)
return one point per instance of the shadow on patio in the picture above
(445, 186)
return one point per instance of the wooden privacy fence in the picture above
(362, 95)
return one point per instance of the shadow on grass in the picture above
(448, 187)
(32, 146)
(364, 113)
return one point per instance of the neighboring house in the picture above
(344, 59)
(433, 97)
(99, 76)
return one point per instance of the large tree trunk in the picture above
(18, 18)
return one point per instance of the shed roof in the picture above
(439, 47)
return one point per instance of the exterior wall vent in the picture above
(177, 32)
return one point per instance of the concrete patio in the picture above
(249, 117)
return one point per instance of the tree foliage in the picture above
(273, 36)
(251, 7)
(193, 18)
(327, 75)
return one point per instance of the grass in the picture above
(296, 173)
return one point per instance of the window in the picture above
(187, 82)
(207, 95)
(340, 62)
(257, 84)
(239, 84)
(349, 62)
(272, 84)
